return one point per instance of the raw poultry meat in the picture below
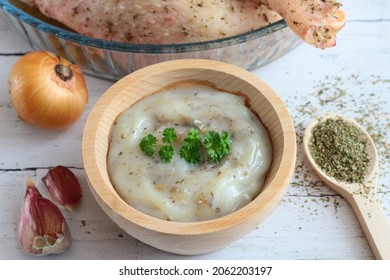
(315, 21)
(181, 21)
(157, 21)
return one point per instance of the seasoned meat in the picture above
(316, 21)
(180, 21)
(157, 21)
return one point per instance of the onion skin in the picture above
(44, 97)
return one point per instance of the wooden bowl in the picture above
(197, 237)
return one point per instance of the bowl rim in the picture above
(112, 200)
(139, 48)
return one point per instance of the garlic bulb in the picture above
(63, 187)
(47, 90)
(42, 229)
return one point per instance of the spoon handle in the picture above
(375, 224)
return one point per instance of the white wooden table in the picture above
(311, 222)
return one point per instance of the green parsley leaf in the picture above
(147, 144)
(193, 138)
(169, 135)
(217, 147)
(190, 153)
(226, 142)
(166, 153)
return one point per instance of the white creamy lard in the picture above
(179, 191)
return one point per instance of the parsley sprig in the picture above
(149, 142)
(191, 148)
(166, 152)
(215, 145)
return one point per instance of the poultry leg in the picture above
(315, 21)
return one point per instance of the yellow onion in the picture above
(47, 90)
(42, 229)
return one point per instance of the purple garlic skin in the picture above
(63, 187)
(42, 229)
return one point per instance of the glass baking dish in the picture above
(113, 60)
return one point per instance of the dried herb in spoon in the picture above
(338, 149)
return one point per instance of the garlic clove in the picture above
(42, 229)
(63, 187)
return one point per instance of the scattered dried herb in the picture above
(361, 98)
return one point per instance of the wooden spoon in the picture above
(361, 196)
